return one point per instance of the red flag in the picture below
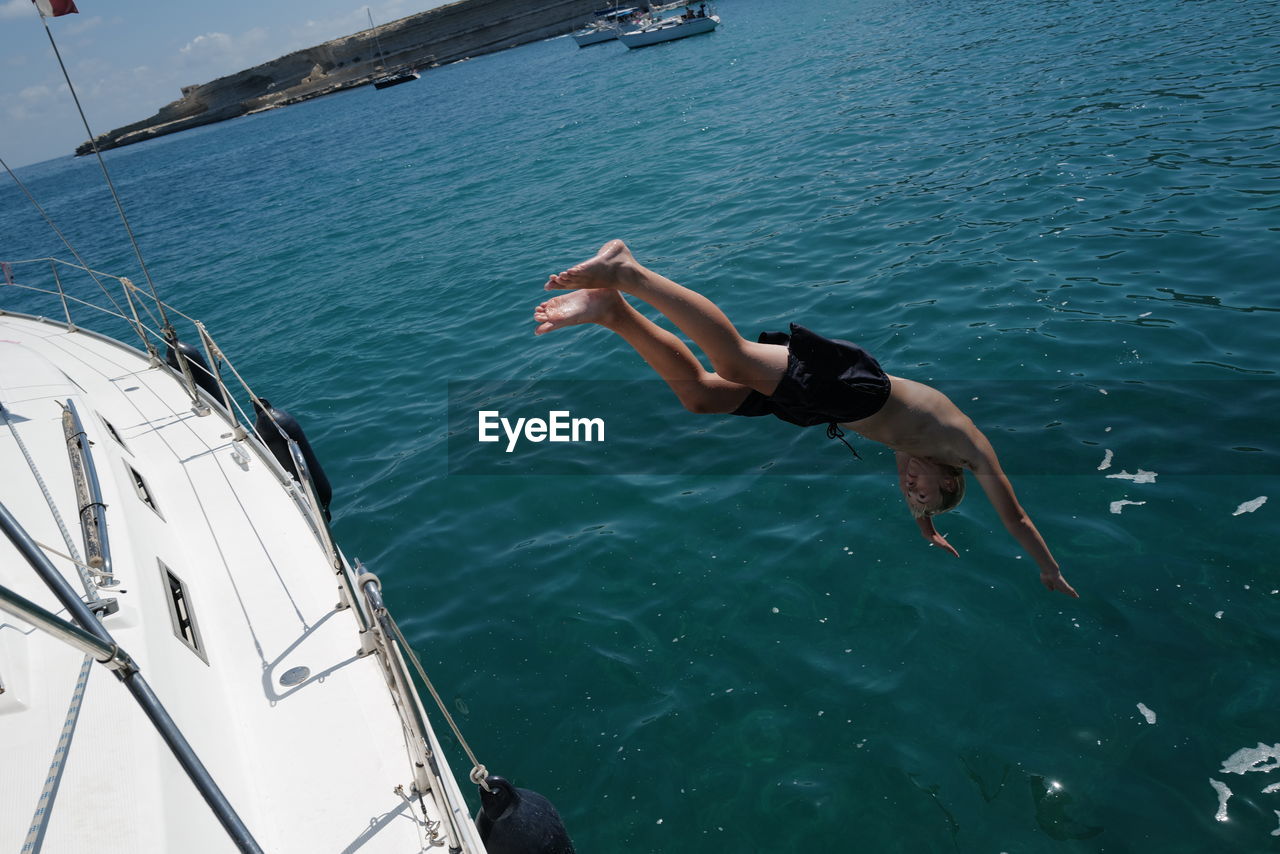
(56, 8)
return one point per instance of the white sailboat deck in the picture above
(312, 766)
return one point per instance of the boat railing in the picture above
(358, 589)
(142, 314)
(135, 310)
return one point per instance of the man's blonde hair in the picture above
(950, 499)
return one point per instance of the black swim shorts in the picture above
(827, 381)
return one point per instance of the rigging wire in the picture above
(83, 264)
(137, 251)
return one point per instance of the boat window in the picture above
(180, 612)
(144, 491)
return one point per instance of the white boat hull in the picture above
(595, 35)
(310, 760)
(606, 26)
(669, 30)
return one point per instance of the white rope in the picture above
(96, 571)
(44, 804)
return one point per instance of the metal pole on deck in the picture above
(129, 675)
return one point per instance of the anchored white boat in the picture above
(196, 551)
(669, 29)
(606, 26)
(148, 523)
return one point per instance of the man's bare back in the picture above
(921, 421)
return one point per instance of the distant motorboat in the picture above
(606, 26)
(669, 29)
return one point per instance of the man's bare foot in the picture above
(612, 267)
(586, 306)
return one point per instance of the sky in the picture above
(128, 58)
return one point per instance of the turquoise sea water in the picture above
(1066, 215)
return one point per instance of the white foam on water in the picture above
(1250, 506)
(1147, 713)
(1262, 758)
(1276, 832)
(1218, 615)
(1140, 476)
(1224, 794)
(1118, 506)
(1274, 787)
(1106, 461)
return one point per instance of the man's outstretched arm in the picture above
(1016, 521)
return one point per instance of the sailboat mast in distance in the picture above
(376, 40)
(386, 78)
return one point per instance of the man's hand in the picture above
(935, 539)
(941, 542)
(1052, 578)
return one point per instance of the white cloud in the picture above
(119, 96)
(314, 32)
(219, 46)
(35, 93)
(16, 9)
(208, 43)
(83, 24)
(36, 99)
(214, 54)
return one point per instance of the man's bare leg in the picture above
(699, 390)
(759, 366)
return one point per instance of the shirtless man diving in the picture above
(802, 378)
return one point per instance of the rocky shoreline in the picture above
(435, 37)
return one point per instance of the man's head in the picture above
(930, 488)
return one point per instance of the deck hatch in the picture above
(115, 434)
(180, 612)
(144, 492)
